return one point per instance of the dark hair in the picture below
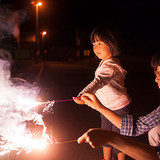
(155, 61)
(102, 34)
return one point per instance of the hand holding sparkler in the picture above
(78, 100)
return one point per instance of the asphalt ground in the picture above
(63, 80)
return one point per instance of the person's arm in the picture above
(105, 74)
(141, 125)
(126, 124)
(93, 102)
(136, 150)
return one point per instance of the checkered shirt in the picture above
(131, 127)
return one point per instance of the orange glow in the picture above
(36, 3)
(44, 33)
(39, 4)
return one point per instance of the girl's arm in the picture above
(93, 102)
(136, 150)
(101, 79)
(96, 84)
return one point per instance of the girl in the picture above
(108, 84)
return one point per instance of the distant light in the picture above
(36, 3)
(39, 3)
(44, 33)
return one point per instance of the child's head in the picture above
(102, 34)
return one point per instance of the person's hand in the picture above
(91, 100)
(78, 100)
(96, 137)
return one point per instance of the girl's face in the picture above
(101, 50)
(157, 73)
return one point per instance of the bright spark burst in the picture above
(17, 136)
(18, 105)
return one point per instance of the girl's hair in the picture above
(155, 61)
(102, 34)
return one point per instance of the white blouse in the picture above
(108, 85)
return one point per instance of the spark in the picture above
(18, 106)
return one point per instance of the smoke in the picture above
(10, 22)
(18, 99)
(17, 105)
(6, 24)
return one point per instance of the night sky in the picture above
(62, 18)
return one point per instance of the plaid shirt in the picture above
(131, 127)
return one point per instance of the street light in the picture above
(43, 35)
(37, 27)
(43, 42)
(37, 4)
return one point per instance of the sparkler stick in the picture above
(64, 100)
(75, 140)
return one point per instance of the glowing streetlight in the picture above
(43, 35)
(37, 27)
(37, 4)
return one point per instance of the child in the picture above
(128, 125)
(108, 84)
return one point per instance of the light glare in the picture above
(39, 3)
(44, 33)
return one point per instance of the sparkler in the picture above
(18, 106)
(27, 142)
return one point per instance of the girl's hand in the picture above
(78, 100)
(91, 100)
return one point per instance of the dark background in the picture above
(135, 23)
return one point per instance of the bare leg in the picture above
(107, 153)
(121, 156)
